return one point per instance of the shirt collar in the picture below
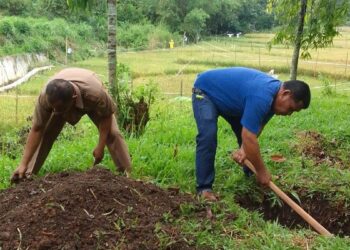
(79, 100)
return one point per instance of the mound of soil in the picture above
(91, 210)
(314, 145)
(334, 217)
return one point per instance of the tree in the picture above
(252, 16)
(195, 22)
(317, 22)
(111, 42)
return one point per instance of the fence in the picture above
(175, 69)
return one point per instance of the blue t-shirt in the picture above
(241, 92)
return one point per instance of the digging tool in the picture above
(308, 218)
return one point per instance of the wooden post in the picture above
(66, 59)
(16, 106)
(346, 63)
(315, 68)
(235, 55)
(181, 88)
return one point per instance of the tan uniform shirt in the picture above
(92, 98)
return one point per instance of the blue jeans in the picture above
(206, 115)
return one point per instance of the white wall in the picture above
(14, 67)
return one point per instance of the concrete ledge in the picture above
(24, 78)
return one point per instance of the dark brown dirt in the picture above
(91, 210)
(334, 217)
(314, 145)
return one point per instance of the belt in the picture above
(197, 91)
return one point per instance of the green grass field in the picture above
(164, 154)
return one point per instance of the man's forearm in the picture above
(252, 151)
(33, 141)
(104, 129)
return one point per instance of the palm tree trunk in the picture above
(298, 39)
(112, 48)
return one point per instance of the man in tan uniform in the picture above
(70, 94)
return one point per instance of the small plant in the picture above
(275, 201)
(133, 104)
(119, 224)
(167, 217)
(6, 29)
(327, 89)
(187, 209)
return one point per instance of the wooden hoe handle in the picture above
(308, 218)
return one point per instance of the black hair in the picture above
(300, 91)
(59, 90)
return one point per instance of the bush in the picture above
(133, 103)
(159, 38)
(143, 36)
(134, 35)
(15, 7)
(6, 29)
(22, 27)
(29, 35)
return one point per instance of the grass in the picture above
(164, 154)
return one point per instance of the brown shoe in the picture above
(208, 196)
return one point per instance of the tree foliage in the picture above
(307, 25)
(321, 22)
(221, 16)
(194, 23)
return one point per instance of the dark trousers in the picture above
(206, 115)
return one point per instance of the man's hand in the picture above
(239, 156)
(19, 173)
(263, 178)
(98, 155)
(126, 171)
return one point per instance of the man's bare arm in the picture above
(104, 129)
(252, 151)
(33, 141)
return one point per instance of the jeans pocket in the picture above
(206, 109)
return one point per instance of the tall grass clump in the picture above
(327, 89)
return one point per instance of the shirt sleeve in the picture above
(256, 110)
(105, 105)
(42, 112)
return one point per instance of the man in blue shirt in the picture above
(246, 99)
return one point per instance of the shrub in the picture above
(15, 7)
(133, 104)
(159, 37)
(143, 36)
(134, 35)
(22, 27)
(29, 35)
(6, 29)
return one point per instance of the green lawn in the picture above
(164, 154)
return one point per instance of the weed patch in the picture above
(315, 146)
